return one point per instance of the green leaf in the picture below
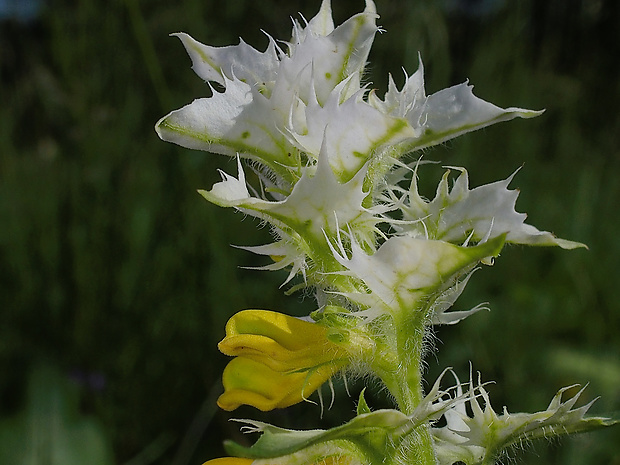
(370, 431)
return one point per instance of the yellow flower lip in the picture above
(279, 360)
(281, 342)
(250, 383)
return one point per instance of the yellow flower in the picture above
(279, 360)
(229, 461)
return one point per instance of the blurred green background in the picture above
(116, 278)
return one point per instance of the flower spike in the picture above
(331, 177)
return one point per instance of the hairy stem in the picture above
(404, 381)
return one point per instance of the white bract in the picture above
(483, 436)
(279, 107)
(322, 144)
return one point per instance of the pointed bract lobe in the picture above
(242, 61)
(459, 215)
(443, 115)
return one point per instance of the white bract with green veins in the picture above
(335, 181)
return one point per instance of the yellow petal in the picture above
(281, 342)
(292, 333)
(248, 382)
(229, 461)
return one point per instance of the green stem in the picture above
(398, 362)
(402, 372)
(404, 380)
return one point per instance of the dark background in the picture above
(114, 272)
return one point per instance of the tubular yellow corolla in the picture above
(279, 360)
